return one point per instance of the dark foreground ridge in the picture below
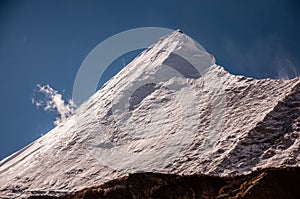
(264, 183)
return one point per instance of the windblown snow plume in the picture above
(54, 102)
(286, 69)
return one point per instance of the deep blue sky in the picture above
(45, 42)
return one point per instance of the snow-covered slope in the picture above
(171, 110)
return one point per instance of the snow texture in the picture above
(171, 110)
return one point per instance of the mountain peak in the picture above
(170, 110)
(175, 50)
(178, 30)
(180, 39)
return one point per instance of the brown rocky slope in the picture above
(264, 183)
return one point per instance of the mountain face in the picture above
(171, 110)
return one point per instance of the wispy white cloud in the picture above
(54, 102)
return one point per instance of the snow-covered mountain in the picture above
(171, 110)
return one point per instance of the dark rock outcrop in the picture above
(264, 183)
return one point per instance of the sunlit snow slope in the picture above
(171, 110)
